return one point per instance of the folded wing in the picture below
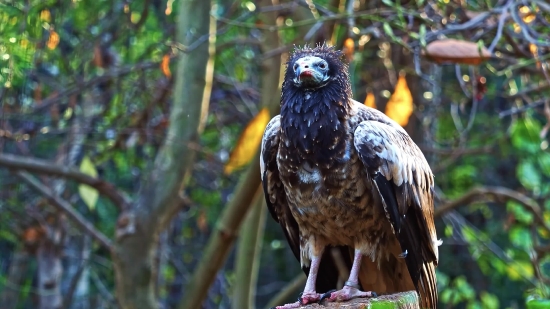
(404, 181)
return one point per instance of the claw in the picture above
(348, 293)
(326, 295)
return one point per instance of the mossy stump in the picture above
(403, 300)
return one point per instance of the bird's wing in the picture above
(404, 181)
(277, 204)
(274, 191)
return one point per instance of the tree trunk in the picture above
(248, 254)
(50, 271)
(138, 228)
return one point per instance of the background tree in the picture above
(128, 141)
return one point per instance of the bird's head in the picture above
(312, 68)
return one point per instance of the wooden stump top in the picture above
(404, 300)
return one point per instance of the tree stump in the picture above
(403, 300)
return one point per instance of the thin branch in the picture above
(80, 86)
(63, 206)
(497, 194)
(518, 110)
(48, 168)
(537, 88)
(501, 20)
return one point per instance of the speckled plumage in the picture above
(337, 173)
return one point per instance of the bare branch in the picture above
(534, 89)
(48, 168)
(497, 194)
(63, 206)
(518, 110)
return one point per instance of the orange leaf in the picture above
(248, 143)
(370, 101)
(165, 66)
(527, 15)
(53, 40)
(400, 105)
(456, 51)
(202, 222)
(33, 234)
(349, 49)
(98, 56)
(534, 50)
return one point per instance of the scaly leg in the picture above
(351, 287)
(309, 295)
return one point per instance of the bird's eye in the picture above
(322, 66)
(295, 67)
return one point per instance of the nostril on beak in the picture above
(307, 66)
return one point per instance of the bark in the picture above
(48, 258)
(404, 300)
(138, 228)
(248, 254)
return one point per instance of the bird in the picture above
(338, 175)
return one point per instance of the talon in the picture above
(326, 295)
(373, 294)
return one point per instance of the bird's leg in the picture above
(309, 295)
(351, 287)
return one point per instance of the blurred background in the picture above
(129, 133)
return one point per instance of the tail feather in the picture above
(427, 286)
(389, 276)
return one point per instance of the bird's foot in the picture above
(348, 293)
(304, 299)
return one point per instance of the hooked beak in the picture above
(303, 72)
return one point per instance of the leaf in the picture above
(400, 105)
(489, 300)
(53, 40)
(370, 100)
(525, 135)
(521, 238)
(422, 35)
(519, 212)
(88, 194)
(519, 270)
(248, 142)
(45, 15)
(456, 51)
(538, 304)
(165, 66)
(527, 15)
(528, 175)
(349, 49)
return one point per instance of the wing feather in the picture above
(404, 182)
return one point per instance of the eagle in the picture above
(338, 175)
